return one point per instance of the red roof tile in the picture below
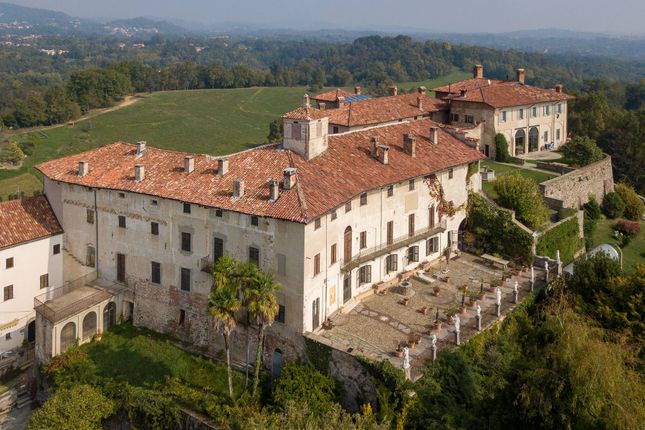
(331, 95)
(343, 171)
(303, 113)
(25, 220)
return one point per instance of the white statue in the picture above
(532, 274)
(406, 357)
(479, 311)
(434, 340)
(457, 323)
(557, 256)
(498, 296)
(515, 287)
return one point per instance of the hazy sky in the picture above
(460, 16)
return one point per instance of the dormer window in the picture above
(411, 185)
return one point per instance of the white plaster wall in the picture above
(31, 260)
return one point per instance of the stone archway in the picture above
(276, 363)
(520, 139)
(109, 316)
(534, 139)
(89, 326)
(67, 336)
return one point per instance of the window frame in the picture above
(56, 249)
(413, 254)
(155, 269)
(9, 263)
(317, 264)
(362, 243)
(122, 222)
(186, 241)
(411, 224)
(390, 190)
(348, 206)
(89, 216)
(391, 263)
(365, 274)
(187, 209)
(411, 184)
(333, 253)
(317, 223)
(46, 278)
(254, 255)
(185, 280)
(154, 228)
(7, 293)
(363, 199)
(255, 220)
(432, 245)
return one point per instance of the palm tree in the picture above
(224, 302)
(246, 275)
(262, 306)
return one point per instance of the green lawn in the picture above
(25, 182)
(431, 83)
(504, 169)
(633, 254)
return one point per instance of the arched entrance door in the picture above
(534, 139)
(67, 336)
(347, 253)
(89, 325)
(109, 316)
(31, 332)
(520, 138)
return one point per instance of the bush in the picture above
(564, 237)
(27, 147)
(501, 149)
(630, 228)
(592, 208)
(565, 213)
(634, 206)
(613, 206)
(582, 150)
(301, 383)
(522, 195)
(11, 154)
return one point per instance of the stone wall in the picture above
(573, 189)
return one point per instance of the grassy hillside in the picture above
(444, 80)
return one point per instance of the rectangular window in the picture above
(182, 317)
(154, 228)
(186, 208)
(390, 190)
(333, 253)
(534, 111)
(186, 240)
(451, 173)
(219, 213)
(391, 263)
(44, 281)
(7, 336)
(334, 215)
(520, 114)
(413, 254)
(8, 292)
(454, 117)
(185, 279)
(365, 274)
(411, 225)
(363, 240)
(316, 264)
(363, 199)
(255, 220)
(469, 119)
(390, 232)
(546, 136)
(154, 202)
(155, 272)
(122, 195)
(282, 264)
(334, 129)
(56, 249)
(8, 264)
(121, 221)
(547, 110)
(218, 249)
(557, 134)
(317, 224)
(411, 185)
(89, 216)
(432, 245)
(254, 255)
(348, 206)
(559, 107)
(280, 316)
(503, 116)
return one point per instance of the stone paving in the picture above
(377, 324)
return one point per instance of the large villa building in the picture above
(359, 191)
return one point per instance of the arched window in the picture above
(89, 325)
(347, 255)
(67, 336)
(520, 138)
(109, 316)
(534, 139)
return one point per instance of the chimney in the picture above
(559, 88)
(141, 148)
(238, 188)
(521, 74)
(189, 164)
(322, 105)
(83, 168)
(419, 103)
(478, 71)
(274, 190)
(434, 135)
(394, 90)
(289, 175)
(462, 93)
(383, 153)
(357, 91)
(373, 145)
(341, 101)
(222, 166)
(305, 101)
(139, 172)
(410, 145)
(422, 90)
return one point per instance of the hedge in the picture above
(565, 237)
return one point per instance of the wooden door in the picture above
(347, 254)
(120, 267)
(347, 288)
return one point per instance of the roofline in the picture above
(511, 105)
(36, 239)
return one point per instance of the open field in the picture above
(633, 254)
(504, 169)
(443, 80)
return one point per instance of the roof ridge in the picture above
(299, 190)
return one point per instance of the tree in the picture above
(522, 195)
(262, 306)
(613, 206)
(501, 149)
(224, 302)
(303, 384)
(59, 107)
(275, 131)
(11, 154)
(582, 150)
(634, 206)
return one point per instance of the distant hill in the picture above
(146, 25)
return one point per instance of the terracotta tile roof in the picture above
(325, 182)
(27, 219)
(383, 109)
(501, 93)
(331, 95)
(303, 113)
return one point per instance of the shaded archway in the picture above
(347, 249)
(31, 331)
(109, 316)
(89, 325)
(520, 138)
(276, 364)
(67, 336)
(534, 139)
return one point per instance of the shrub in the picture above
(522, 195)
(501, 149)
(592, 208)
(301, 383)
(27, 147)
(630, 228)
(564, 237)
(634, 206)
(613, 206)
(565, 213)
(583, 150)
(11, 154)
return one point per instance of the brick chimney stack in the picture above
(141, 148)
(83, 168)
(274, 190)
(222, 166)
(559, 88)
(383, 153)
(422, 90)
(238, 188)
(478, 71)
(139, 172)
(289, 178)
(305, 101)
(434, 135)
(419, 103)
(394, 90)
(521, 74)
(410, 145)
(357, 91)
(322, 105)
(373, 145)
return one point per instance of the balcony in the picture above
(206, 265)
(369, 254)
